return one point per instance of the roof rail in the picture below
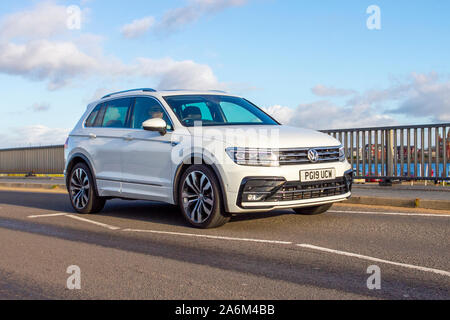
(125, 91)
(173, 90)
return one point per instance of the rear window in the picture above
(90, 122)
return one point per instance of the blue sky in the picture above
(309, 63)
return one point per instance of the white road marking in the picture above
(48, 215)
(308, 246)
(359, 256)
(207, 236)
(93, 222)
(395, 213)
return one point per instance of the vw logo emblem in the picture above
(313, 155)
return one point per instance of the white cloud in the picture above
(36, 45)
(426, 96)
(280, 113)
(418, 95)
(40, 107)
(57, 62)
(174, 19)
(423, 96)
(178, 74)
(326, 115)
(28, 47)
(35, 135)
(137, 27)
(177, 18)
(325, 91)
(46, 19)
(61, 63)
(98, 93)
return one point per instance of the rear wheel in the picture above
(200, 199)
(313, 210)
(83, 196)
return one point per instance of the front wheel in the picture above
(200, 199)
(313, 210)
(82, 192)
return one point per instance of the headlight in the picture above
(342, 157)
(253, 157)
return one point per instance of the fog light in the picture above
(258, 189)
(254, 197)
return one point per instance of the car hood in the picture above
(265, 136)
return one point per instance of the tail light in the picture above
(66, 144)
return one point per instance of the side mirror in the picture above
(155, 124)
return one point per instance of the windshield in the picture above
(216, 110)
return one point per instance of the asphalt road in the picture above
(143, 250)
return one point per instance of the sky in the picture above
(324, 64)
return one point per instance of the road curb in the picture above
(374, 201)
(403, 187)
(405, 203)
(28, 185)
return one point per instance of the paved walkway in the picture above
(403, 192)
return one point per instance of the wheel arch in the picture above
(74, 160)
(198, 159)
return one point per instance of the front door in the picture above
(146, 156)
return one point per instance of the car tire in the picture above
(82, 193)
(199, 198)
(313, 210)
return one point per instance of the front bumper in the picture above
(277, 192)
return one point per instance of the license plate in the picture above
(317, 175)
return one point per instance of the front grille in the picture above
(300, 155)
(296, 190)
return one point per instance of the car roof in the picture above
(159, 93)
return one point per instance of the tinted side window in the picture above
(116, 113)
(145, 109)
(90, 122)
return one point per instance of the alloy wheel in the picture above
(197, 197)
(79, 188)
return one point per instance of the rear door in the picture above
(107, 142)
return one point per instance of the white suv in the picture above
(211, 153)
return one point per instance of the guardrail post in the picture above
(389, 158)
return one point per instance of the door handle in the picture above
(128, 138)
(92, 136)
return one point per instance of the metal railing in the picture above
(33, 160)
(419, 152)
